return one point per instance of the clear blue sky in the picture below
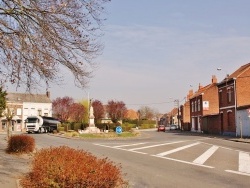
(155, 49)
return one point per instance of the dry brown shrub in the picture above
(62, 167)
(20, 144)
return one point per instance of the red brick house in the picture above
(203, 102)
(234, 102)
(185, 113)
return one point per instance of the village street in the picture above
(171, 159)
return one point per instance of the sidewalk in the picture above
(229, 138)
(12, 167)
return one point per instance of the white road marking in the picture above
(168, 143)
(186, 162)
(204, 157)
(119, 148)
(244, 158)
(177, 149)
(244, 162)
(237, 172)
(129, 145)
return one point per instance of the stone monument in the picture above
(91, 117)
(91, 128)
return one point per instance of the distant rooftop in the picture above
(27, 97)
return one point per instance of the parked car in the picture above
(161, 128)
(173, 127)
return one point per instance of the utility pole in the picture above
(178, 111)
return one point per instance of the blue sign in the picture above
(118, 130)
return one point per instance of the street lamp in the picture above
(219, 69)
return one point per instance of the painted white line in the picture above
(129, 145)
(237, 172)
(186, 162)
(168, 143)
(177, 149)
(119, 148)
(244, 162)
(204, 157)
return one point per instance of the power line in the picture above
(158, 102)
(152, 103)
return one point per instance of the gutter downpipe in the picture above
(235, 105)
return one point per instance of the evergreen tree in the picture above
(2, 101)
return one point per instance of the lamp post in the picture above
(220, 69)
(139, 116)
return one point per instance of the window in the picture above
(195, 106)
(192, 106)
(19, 111)
(26, 111)
(199, 105)
(229, 95)
(220, 97)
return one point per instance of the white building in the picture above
(22, 105)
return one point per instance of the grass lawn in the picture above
(102, 135)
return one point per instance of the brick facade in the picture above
(234, 95)
(203, 102)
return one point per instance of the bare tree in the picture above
(61, 108)
(116, 110)
(76, 112)
(40, 38)
(98, 110)
(147, 112)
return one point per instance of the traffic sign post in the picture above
(118, 130)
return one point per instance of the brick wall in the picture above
(243, 89)
(211, 124)
(211, 95)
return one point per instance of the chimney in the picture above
(190, 93)
(200, 86)
(214, 79)
(48, 94)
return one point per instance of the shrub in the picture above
(127, 127)
(147, 126)
(20, 144)
(60, 129)
(78, 125)
(62, 167)
(72, 133)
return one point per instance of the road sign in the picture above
(248, 111)
(118, 130)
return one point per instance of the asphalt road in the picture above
(159, 159)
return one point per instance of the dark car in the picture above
(161, 128)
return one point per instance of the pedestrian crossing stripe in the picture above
(206, 155)
(177, 149)
(244, 162)
(244, 157)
